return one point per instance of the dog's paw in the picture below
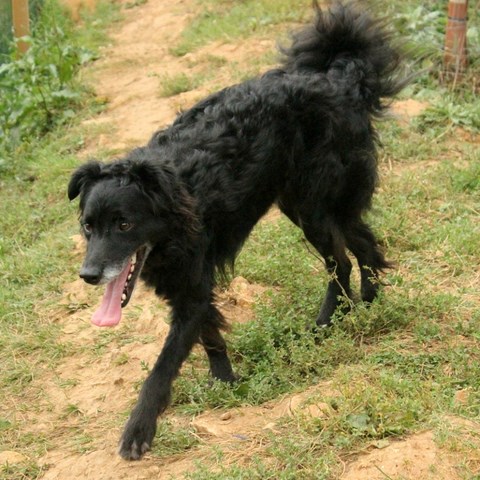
(136, 439)
(322, 321)
(131, 451)
(231, 379)
(320, 325)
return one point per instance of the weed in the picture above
(214, 61)
(135, 3)
(171, 85)
(22, 471)
(122, 359)
(73, 410)
(447, 111)
(172, 439)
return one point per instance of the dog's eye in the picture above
(87, 228)
(125, 226)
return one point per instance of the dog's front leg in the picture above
(156, 391)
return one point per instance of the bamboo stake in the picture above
(455, 58)
(21, 23)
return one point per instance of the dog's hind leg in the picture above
(329, 240)
(363, 244)
(155, 394)
(215, 347)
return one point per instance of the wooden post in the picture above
(455, 58)
(21, 22)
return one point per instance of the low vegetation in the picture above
(41, 90)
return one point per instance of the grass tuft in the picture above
(171, 85)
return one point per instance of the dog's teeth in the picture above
(129, 276)
(134, 258)
(124, 297)
(132, 268)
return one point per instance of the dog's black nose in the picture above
(91, 275)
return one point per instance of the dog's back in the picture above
(300, 135)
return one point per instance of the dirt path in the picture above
(85, 400)
(128, 73)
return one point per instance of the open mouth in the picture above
(134, 266)
(119, 290)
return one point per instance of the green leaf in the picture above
(360, 422)
(65, 94)
(242, 390)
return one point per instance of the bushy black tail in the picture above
(346, 42)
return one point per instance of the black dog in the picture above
(179, 209)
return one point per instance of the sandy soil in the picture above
(96, 392)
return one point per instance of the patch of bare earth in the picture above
(407, 109)
(422, 456)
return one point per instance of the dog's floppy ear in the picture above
(148, 176)
(159, 183)
(83, 176)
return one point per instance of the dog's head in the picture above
(127, 208)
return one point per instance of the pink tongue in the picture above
(110, 311)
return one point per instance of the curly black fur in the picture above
(300, 136)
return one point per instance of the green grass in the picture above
(392, 369)
(172, 439)
(171, 85)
